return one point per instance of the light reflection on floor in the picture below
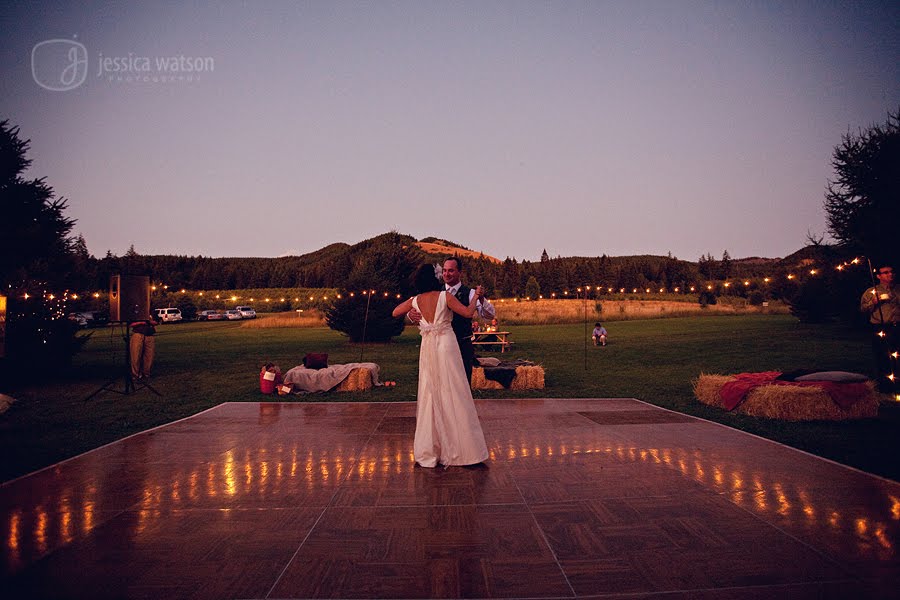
(601, 484)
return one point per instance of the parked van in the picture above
(168, 315)
(247, 312)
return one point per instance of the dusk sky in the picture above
(509, 127)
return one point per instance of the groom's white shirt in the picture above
(484, 309)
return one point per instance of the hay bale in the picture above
(787, 402)
(535, 378)
(359, 380)
(527, 378)
(480, 382)
(5, 402)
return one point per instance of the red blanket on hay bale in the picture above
(734, 392)
(824, 396)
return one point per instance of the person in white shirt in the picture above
(462, 327)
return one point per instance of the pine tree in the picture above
(532, 289)
(36, 258)
(862, 201)
(725, 265)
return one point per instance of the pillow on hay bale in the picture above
(526, 378)
(789, 402)
(836, 376)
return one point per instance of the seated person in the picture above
(599, 335)
(494, 326)
(269, 378)
(476, 328)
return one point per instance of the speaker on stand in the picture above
(129, 300)
(129, 297)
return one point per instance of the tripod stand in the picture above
(130, 386)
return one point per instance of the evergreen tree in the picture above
(863, 201)
(35, 258)
(532, 289)
(725, 265)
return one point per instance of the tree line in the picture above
(385, 262)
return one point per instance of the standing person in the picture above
(882, 305)
(462, 326)
(599, 335)
(447, 428)
(142, 347)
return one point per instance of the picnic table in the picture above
(500, 338)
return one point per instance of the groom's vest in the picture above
(462, 326)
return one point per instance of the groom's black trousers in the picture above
(467, 350)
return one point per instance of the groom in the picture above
(462, 326)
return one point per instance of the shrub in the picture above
(757, 298)
(35, 335)
(813, 302)
(186, 305)
(348, 315)
(707, 298)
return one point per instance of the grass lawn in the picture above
(200, 365)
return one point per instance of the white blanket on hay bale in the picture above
(321, 380)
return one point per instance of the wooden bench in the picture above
(502, 339)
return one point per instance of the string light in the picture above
(553, 295)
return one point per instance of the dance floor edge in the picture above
(581, 498)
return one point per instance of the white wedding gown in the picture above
(447, 427)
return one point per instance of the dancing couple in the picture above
(447, 428)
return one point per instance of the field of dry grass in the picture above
(549, 312)
(307, 318)
(546, 312)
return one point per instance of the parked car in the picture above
(96, 318)
(211, 315)
(168, 315)
(78, 319)
(247, 312)
(233, 315)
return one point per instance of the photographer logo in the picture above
(59, 65)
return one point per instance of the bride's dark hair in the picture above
(426, 281)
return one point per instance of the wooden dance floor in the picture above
(610, 498)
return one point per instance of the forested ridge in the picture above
(388, 259)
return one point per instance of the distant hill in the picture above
(390, 258)
(445, 248)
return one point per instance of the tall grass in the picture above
(558, 312)
(306, 318)
(552, 312)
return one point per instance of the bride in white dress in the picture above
(447, 428)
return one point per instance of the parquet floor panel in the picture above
(581, 498)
